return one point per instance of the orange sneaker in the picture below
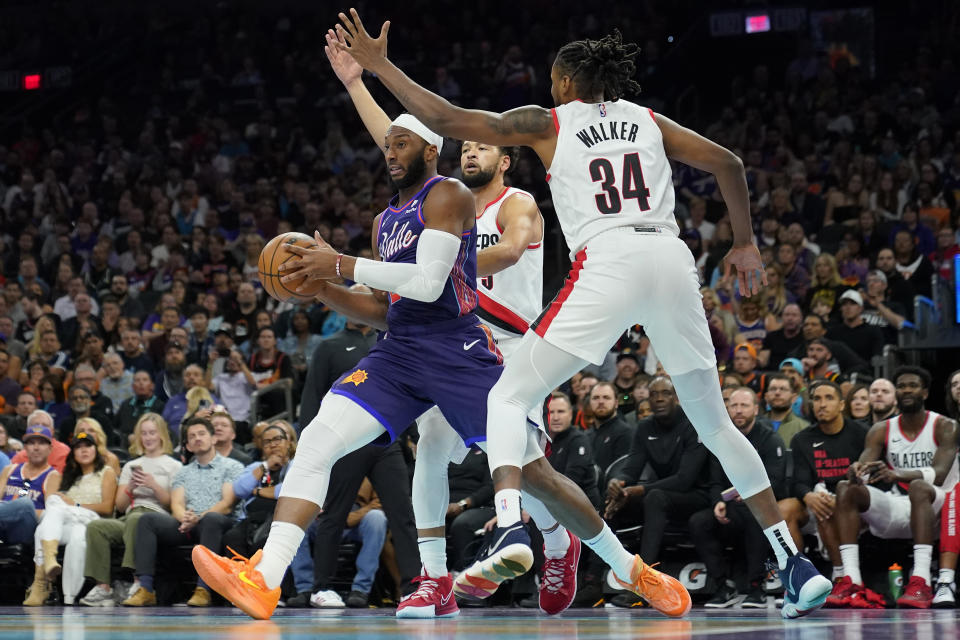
(237, 580)
(664, 593)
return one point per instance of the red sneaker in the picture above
(917, 595)
(433, 599)
(839, 597)
(559, 583)
(864, 598)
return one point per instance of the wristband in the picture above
(339, 258)
(929, 474)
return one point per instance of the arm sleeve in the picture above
(422, 280)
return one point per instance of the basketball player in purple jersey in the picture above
(510, 232)
(608, 163)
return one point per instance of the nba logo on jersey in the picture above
(603, 110)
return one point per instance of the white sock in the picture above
(278, 552)
(555, 542)
(606, 545)
(782, 542)
(433, 556)
(555, 538)
(837, 573)
(946, 576)
(922, 554)
(507, 502)
(850, 554)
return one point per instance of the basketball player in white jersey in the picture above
(510, 259)
(916, 453)
(609, 173)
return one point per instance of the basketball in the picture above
(275, 254)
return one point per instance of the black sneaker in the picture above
(627, 600)
(589, 595)
(530, 602)
(299, 601)
(726, 596)
(756, 598)
(357, 600)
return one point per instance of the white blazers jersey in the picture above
(609, 170)
(906, 454)
(511, 299)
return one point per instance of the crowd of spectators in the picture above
(131, 314)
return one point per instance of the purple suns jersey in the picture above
(397, 236)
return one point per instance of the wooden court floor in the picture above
(170, 623)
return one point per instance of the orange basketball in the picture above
(275, 254)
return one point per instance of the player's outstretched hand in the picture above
(355, 40)
(346, 68)
(750, 271)
(315, 263)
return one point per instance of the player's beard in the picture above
(414, 174)
(480, 179)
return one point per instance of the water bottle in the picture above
(895, 578)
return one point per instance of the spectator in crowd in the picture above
(224, 434)
(82, 324)
(143, 401)
(145, 485)
(66, 306)
(234, 387)
(58, 452)
(611, 436)
(795, 276)
(857, 403)
(93, 428)
(224, 345)
(570, 452)
(130, 306)
(16, 423)
(50, 354)
(669, 444)
(899, 288)
(8, 446)
(16, 348)
(729, 520)
(879, 310)
(175, 409)
(628, 366)
(87, 491)
(814, 327)
(821, 455)
(268, 365)
(86, 375)
(257, 488)
(9, 387)
(27, 485)
(300, 343)
(819, 362)
(134, 357)
(583, 415)
(81, 406)
(53, 400)
(115, 382)
(200, 338)
(883, 401)
(243, 316)
(913, 265)
(170, 379)
(202, 506)
(778, 344)
(745, 366)
(781, 398)
(916, 454)
(865, 339)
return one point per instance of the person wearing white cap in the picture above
(863, 338)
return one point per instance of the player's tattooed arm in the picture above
(530, 126)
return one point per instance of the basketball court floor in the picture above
(473, 624)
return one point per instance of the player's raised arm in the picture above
(530, 126)
(350, 74)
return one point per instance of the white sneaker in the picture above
(98, 597)
(945, 596)
(327, 600)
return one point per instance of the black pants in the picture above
(387, 471)
(710, 538)
(156, 530)
(657, 508)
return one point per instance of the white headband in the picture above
(410, 123)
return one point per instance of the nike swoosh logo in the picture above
(243, 578)
(350, 348)
(445, 600)
(652, 437)
(817, 444)
(466, 347)
(895, 440)
(499, 540)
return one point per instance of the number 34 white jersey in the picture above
(511, 299)
(609, 170)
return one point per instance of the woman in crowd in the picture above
(775, 295)
(144, 487)
(86, 493)
(94, 428)
(858, 403)
(843, 207)
(301, 342)
(268, 364)
(53, 400)
(825, 282)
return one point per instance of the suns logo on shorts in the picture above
(357, 377)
